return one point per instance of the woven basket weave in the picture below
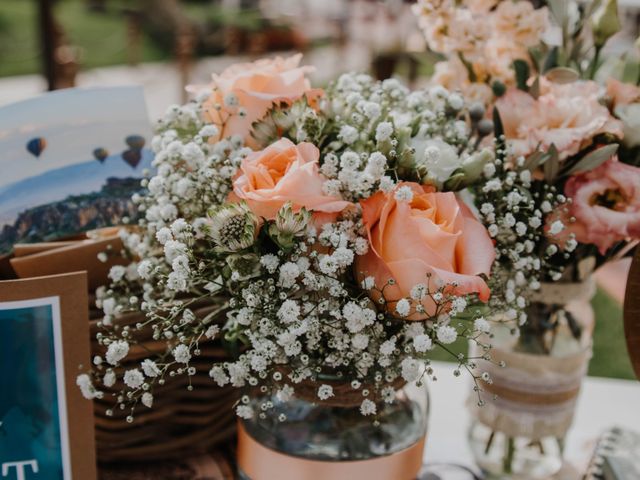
(181, 422)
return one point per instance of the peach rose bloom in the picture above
(606, 205)
(568, 116)
(284, 172)
(256, 86)
(622, 94)
(435, 234)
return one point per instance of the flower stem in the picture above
(508, 459)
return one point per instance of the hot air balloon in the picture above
(135, 141)
(132, 157)
(100, 154)
(36, 146)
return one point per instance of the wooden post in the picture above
(47, 41)
(632, 313)
(185, 44)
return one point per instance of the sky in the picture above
(74, 122)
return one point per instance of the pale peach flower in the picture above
(252, 88)
(568, 116)
(520, 22)
(284, 172)
(480, 6)
(433, 239)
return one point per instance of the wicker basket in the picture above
(181, 421)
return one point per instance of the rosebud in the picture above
(605, 22)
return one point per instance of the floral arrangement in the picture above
(567, 148)
(480, 40)
(325, 226)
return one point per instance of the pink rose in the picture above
(254, 87)
(284, 172)
(568, 116)
(606, 204)
(432, 234)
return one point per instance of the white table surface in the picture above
(603, 403)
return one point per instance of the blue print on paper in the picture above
(30, 431)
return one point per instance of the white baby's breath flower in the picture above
(422, 343)
(325, 392)
(481, 325)
(447, 334)
(410, 369)
(367, 407)
(83, 381)
(117, 272)
(117, 351)
(182, 354)
(109, 378)
(404, 194)
(212, 331)
(403, 307)
(384, 131)
(150, 368)
(556, 227)
(147, 399)
(133, 378)
(244, 411)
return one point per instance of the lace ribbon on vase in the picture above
(535, 396)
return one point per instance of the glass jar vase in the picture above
(528, 402)
(307, 439)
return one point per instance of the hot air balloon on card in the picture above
(36, 146)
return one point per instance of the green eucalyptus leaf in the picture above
(534, 91)
(552, 60)
(521, 68)
(534, 160)
(594, 159)
(562, 75)
(552, 165)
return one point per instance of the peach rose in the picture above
(568, 116)
(606, 204)
(284, 172)
(434, 234)
(254, 87)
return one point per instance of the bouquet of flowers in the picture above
(329, 232)
(567, 159)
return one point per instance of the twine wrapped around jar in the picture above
(534, 396)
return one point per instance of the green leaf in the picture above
(551, 61)
(534, 160)
(498, 88)
(498, 132)
(455, 182)
(521, 68)
(562, 75)
(552, 165)
(534, 91)
(559, 10)
(594, 159)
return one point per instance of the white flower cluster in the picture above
(384, 132)
(515, 214)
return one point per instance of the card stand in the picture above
(181, 422)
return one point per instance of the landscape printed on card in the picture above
(70, 162)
